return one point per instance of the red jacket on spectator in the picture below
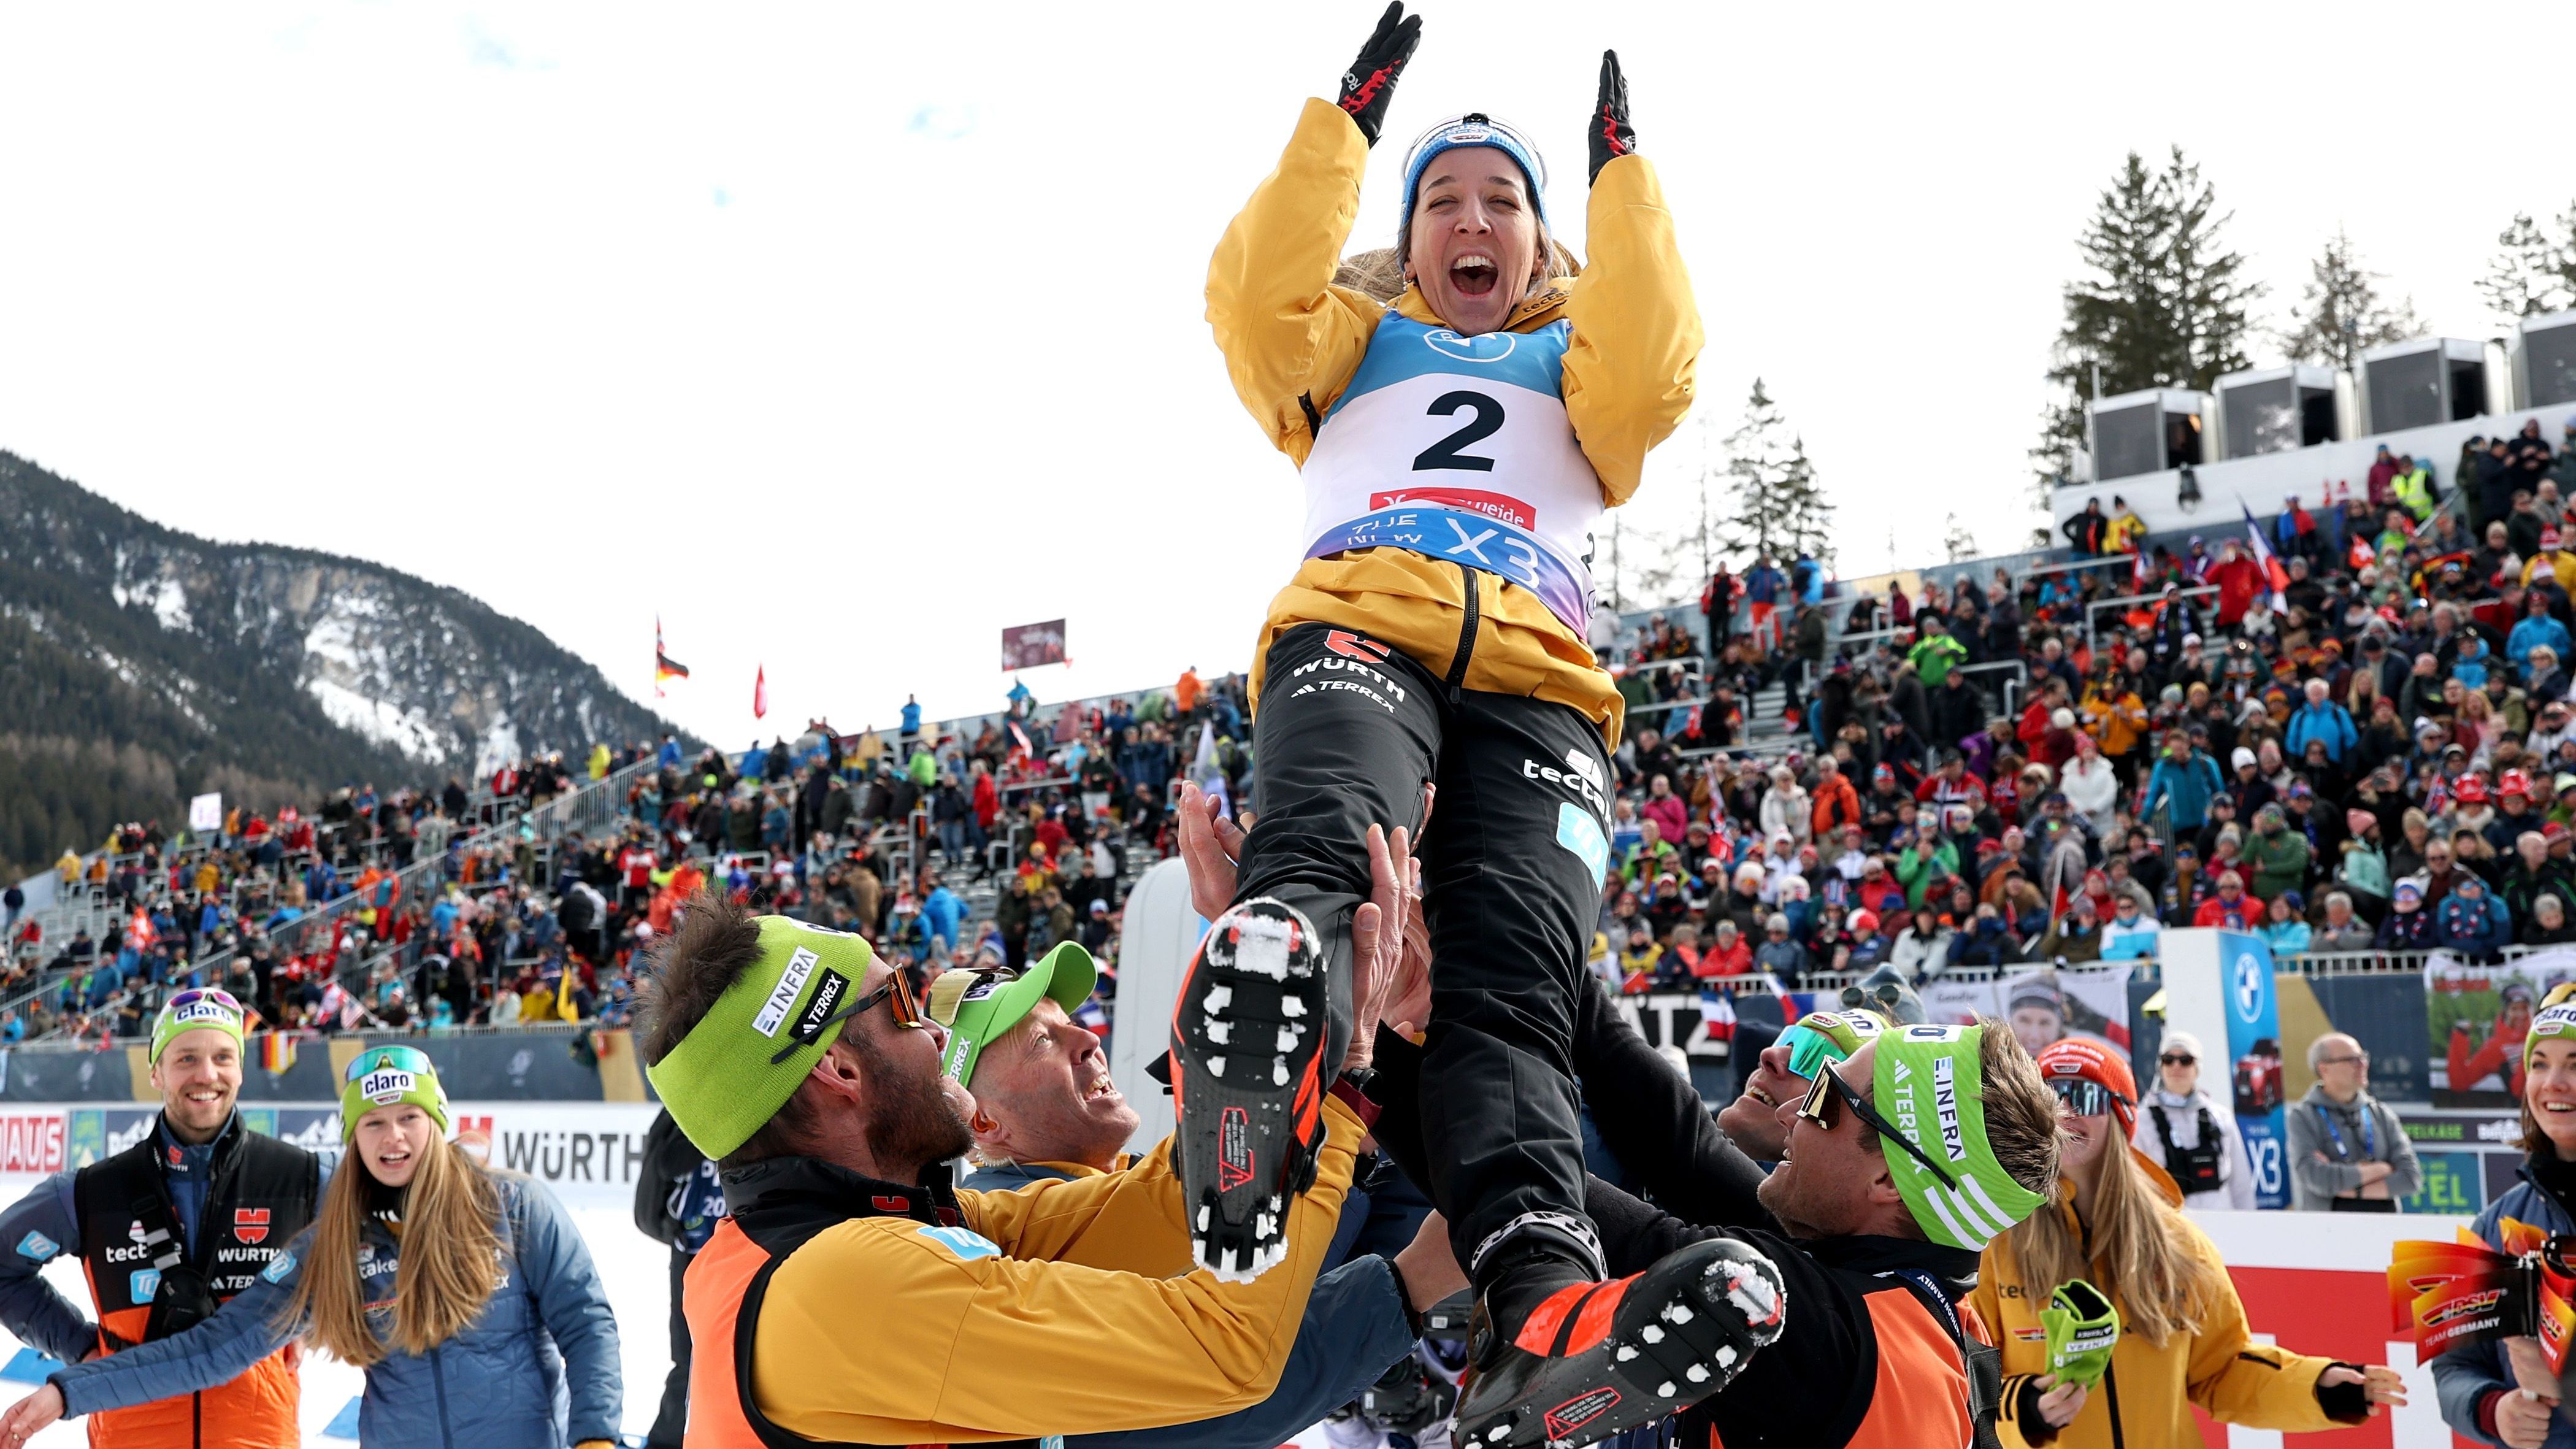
(1716, 960)
(2242, 914)
(2239, 579)
(1669, 814)
(988, 800)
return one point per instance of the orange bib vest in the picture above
(261, 1193)
(721, 1298)
(1919, 1398)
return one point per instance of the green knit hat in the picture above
(197, 1009)
(1927, 1084)
(743, 1059)
(387, 1076)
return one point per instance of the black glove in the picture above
(1371, 78)
(1611, 135)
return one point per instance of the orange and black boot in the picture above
(1587, 1359)
(1258, 1033)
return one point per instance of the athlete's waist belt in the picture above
(1476, 540)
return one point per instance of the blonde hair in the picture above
(451, 1250)
(2142, 1243)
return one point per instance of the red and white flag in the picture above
(760, 692)
(2276, 579)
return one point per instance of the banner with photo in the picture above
(1028, 646)
(2477, 1016)
(2041, 1006)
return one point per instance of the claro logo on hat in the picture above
(782, 997)
(385, 1085)
(200, 1011)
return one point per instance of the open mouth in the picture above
(2558, 1109)
(1474, 275)
(1102, 1089)
(1759, 1095)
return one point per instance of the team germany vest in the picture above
(1459, 449)
(260, 1193)
(729, 1278)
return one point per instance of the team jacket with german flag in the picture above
(250, 1195)
(1611, 353)
(2145, 1401)
(915, 1315)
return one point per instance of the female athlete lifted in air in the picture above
(1458, 447)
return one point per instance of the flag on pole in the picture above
(2276, 579)
(140, 933)
(760, 692)
(664, 666)
(277, 1052)
(1717, 1013)
(1020, 745)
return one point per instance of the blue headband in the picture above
(1473, 129)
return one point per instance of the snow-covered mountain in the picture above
(166, 664)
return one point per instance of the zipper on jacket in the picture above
(1466, 634)
(2111, 1391)
(438, 1380)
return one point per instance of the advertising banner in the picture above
(2218, 987)
(2477, 1015)
(2041, 1006)
(1026, 646)
(206, 812)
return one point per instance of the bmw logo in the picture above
(2249, 985)
(1486, 347)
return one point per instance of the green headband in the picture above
(2552, 1022)
(977, 1007)
(743, 1059)
(1927, 1083)
(390, 1076)
(195, 1010)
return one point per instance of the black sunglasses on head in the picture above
(2178, 1059)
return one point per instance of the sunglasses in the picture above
(397, 1058)
(897, 991)
(1886, 994)
(1819, 1109)
(2084, 1098)
(195, 994)
(2178, 1059)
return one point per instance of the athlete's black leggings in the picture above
(1347, 732)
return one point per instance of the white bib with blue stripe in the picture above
(1459, 448)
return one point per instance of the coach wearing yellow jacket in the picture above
(853, 1297)
(2182, 1339)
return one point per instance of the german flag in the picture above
(665, 668)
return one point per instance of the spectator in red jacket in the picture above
(2232, 907)
(2239, 580)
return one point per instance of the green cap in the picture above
(201, 1008)
(743, 1059)
(1927, 1084)
(2082, 1328)
(2552, 1022)
(977, 1007)
(387, 1076)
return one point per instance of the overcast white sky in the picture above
(842, 336)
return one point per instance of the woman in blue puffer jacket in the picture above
(2501, 1393)
(465, 1294)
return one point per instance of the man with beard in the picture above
(855, 1297)
(1046, 1111)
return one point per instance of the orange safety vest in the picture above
(1920, 1397)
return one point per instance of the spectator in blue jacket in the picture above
(944, 915)
(2534, 630)
(2322, 721)
(2471, 921)
(2182, 783)
(532, 1365)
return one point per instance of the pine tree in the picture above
(2340, 314)
(1780, 510)
(1957, 543)
(2536, 270)
(2162, 303)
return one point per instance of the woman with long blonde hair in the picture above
(2117, 1226)
(466, 1294)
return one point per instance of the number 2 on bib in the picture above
(1488, 420)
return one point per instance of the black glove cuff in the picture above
(2344, 1403)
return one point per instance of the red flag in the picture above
(760, 693)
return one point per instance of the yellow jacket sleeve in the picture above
(2240, 1381)
(1122, 1221)
(883, 1331)
(1291, 338)
(1632, 363)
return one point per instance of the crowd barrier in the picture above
(566, 1065)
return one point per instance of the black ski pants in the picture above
(1347, 733)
